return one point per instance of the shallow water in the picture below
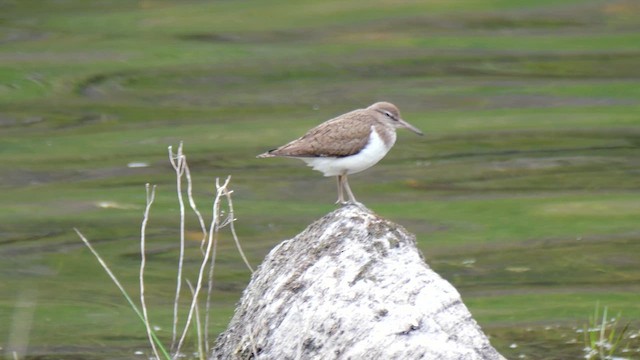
(524, 192)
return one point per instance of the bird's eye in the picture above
(388, 114)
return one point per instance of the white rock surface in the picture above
(351, 286)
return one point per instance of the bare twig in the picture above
(211, 245)
(228, 221)
(178, 162)
(192, 203)
(232, 219)
(201, 350)
(108, 271)
(209, 251)
(151, 194)
(207, 312)
(122, 290)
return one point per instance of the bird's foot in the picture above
(343, 203)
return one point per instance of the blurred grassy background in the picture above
(525, 193)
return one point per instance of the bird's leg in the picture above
(352, 199)
(340, 192)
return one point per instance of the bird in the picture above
(347, 144)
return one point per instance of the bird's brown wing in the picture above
(339, 137)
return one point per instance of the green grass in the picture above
(605, 337)
(524, 192)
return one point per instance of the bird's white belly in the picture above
(373, 152)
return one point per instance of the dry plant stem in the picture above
(211, 244)
(151, 194)
(201, 351)
(192, 203)
(107, 269)
(203, 243)
(120, 287)
(215, 228)
(178, 161)
(212, 266)
(232, 219)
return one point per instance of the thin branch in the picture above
(151, 194)
(192, 203)
(208, 248)
(121, 288)
(207, 311)
(201, 350)
(228, 221)
(177, 161)
(215, 228)
(203, 243)
(211, 245)
(232, 219)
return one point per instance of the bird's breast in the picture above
(379, 144)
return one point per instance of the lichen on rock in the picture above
(351, 286)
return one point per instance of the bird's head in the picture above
(391, 115)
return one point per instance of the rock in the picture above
(351, 286)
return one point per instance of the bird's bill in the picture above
(410, 127)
